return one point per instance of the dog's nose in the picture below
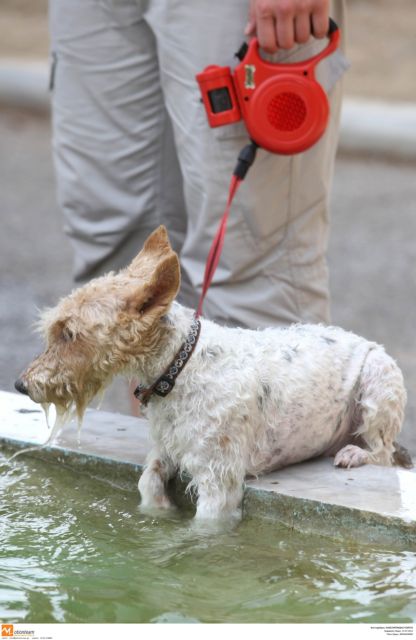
(20, 386)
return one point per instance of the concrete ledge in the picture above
(373, 126)
(368, 504)
(367, 126)
(24, 84)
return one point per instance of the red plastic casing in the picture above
(214, 77)
(283, 106)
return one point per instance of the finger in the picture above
(250, 27)
(266, 34)
(320, 21)
(302, 28)
(285, 30)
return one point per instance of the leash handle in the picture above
(246, 158)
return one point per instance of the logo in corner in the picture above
(7, 631)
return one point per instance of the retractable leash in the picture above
(283, 106)
(285, 111)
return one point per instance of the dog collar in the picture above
(165, 383)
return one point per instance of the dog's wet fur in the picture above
(246, 403)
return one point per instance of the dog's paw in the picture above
(156, 503)
(351, 456)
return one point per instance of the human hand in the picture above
(280, 24)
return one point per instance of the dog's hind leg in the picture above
(153, 481)
(381, 399)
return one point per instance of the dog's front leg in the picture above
(218, 501)
(152, 483)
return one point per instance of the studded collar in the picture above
(165, 383)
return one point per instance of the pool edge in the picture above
(301, 514)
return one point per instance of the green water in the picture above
(75, 549)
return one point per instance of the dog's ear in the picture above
(164, 285)
(152, 299)
(157, 271)
(156, 248)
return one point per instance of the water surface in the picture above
(76, 549)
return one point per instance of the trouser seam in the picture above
(295, 286)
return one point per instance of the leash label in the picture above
(250, 70)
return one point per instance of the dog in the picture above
(223, 403)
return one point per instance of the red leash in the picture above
(217, 245)
(245, 160)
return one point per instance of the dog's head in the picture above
(103, 328)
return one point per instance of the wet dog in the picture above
(223, 403)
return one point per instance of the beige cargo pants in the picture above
(132, 149)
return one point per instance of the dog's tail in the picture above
(401, 456)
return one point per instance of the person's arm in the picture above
(280, 24)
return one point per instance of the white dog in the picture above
(222, 403)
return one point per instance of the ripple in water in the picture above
(74, 549)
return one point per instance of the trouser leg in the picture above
(118, 176)
(116, 169)
(273, 268)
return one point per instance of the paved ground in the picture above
(372, 253)
(380, 39)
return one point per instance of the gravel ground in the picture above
(372, 253)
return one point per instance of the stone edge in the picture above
(304, 515)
